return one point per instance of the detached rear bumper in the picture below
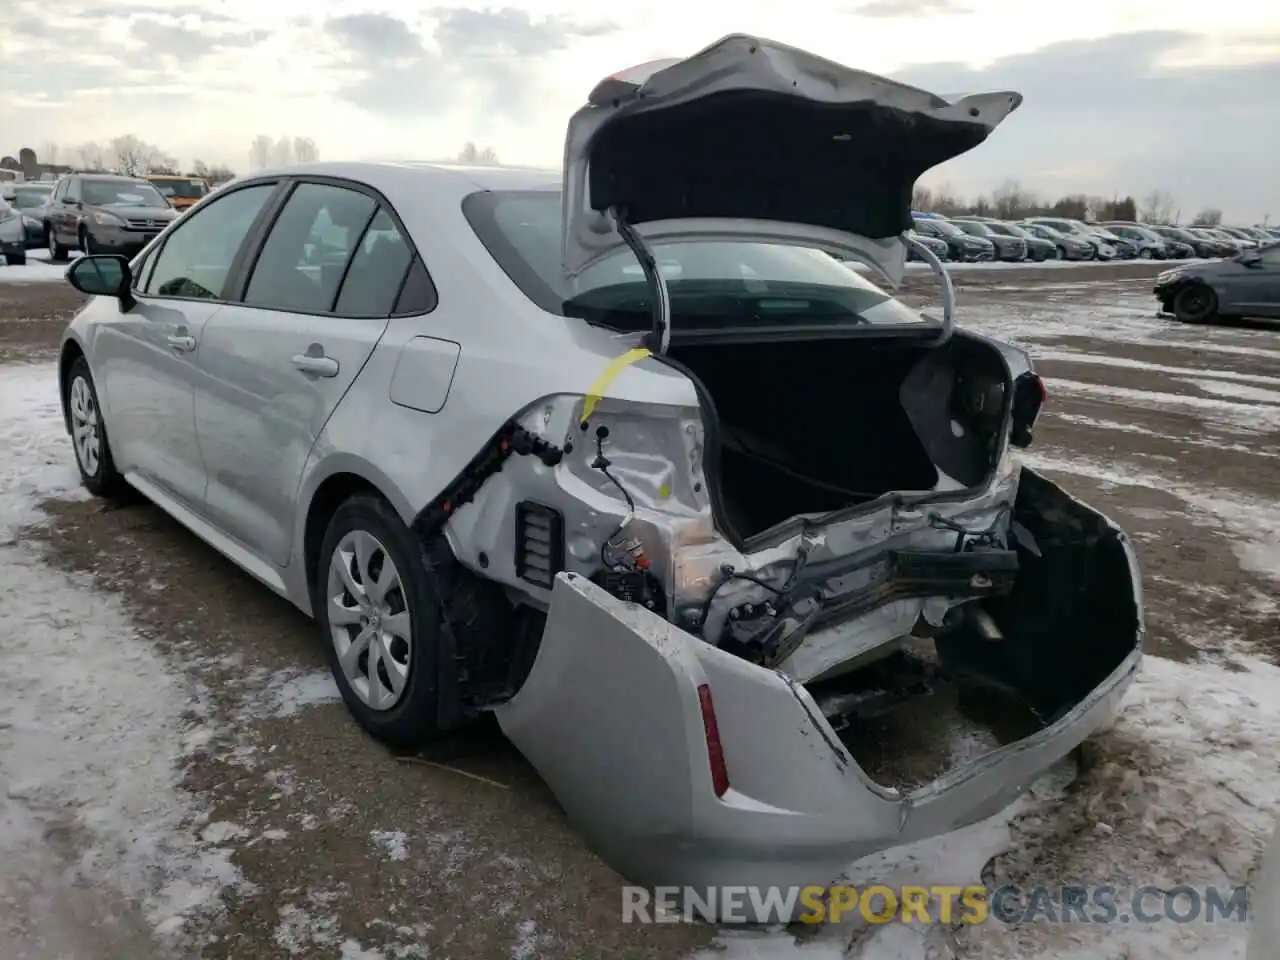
(612, 719)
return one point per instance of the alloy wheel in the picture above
(369, 621)
(84, 426)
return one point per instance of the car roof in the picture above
(394, 177)
(109, 177)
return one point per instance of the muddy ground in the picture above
(472, 857)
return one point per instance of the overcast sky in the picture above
(1122, 96)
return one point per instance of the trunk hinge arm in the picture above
(948, 289)
(659, 338)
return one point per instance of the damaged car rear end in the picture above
(801, 601)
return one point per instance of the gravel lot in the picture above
(178, 766)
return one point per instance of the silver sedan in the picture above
(625, 456)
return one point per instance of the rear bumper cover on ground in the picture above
(611, 717)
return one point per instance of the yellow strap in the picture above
(610, 374)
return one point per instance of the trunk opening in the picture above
(1069, 622)
(813, 426)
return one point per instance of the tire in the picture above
(366, 527)
(87, 246)
(15, 259)
(1145, 253)
(1062, 253)
(97, 467)
(1195, 303)
(57, 252)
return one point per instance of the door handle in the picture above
(319, 366)
(182, 344)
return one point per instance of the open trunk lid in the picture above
(754, 140)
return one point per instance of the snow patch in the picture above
(96, 725)
(394, 844)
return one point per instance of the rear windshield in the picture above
(26, 198)
(136, 193)
(742, 282)
(192, 189)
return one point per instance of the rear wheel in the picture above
(1195, 303)
(1145, 253)
(379, 611)
(1062, 252)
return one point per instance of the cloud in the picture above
(487, 61)
(1112, 114)
(910, 8)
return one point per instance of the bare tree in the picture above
(1208, 217)
(1011, 202)
(484, 157)
(1158, 206)
(49, 152)
(946, 201)
(922, 198)
(91, 156)
(134, 157)
(305, 150)
(282, 152)
(260, 152)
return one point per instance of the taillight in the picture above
(715, 751)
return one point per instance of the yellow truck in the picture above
(181, 192)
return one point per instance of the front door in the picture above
(145, 359)
(275, 367)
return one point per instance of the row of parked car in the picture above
(973, 239)
(92, 212)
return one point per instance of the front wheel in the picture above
(89, 434)
(376, 604)
(15, 259)
(57, 252)
(1062, 253)
(1195, 303)
(1145, 253)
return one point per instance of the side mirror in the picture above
(103, 276)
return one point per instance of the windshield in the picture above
(974, 228)
(1104, 233)
(192, 189)
(133, 193)
(28, 198)
(745, 282)
(1047, 232)
(947, 227)
(1176, 233)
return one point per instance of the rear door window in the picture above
(306, 254)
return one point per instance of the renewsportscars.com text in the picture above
(937, 904)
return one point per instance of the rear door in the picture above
(274, 367)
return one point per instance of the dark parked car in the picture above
(1147, 244)
(1247, 285)
(939, 246)
(1009, 249)
(1102, 249)
(962, 246)
(1223, 245)
(1247, 240)
(1203, 247)
(100, 213)
(30, 200)
(1068, 246)
(1038, 249)
(1124, 250)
